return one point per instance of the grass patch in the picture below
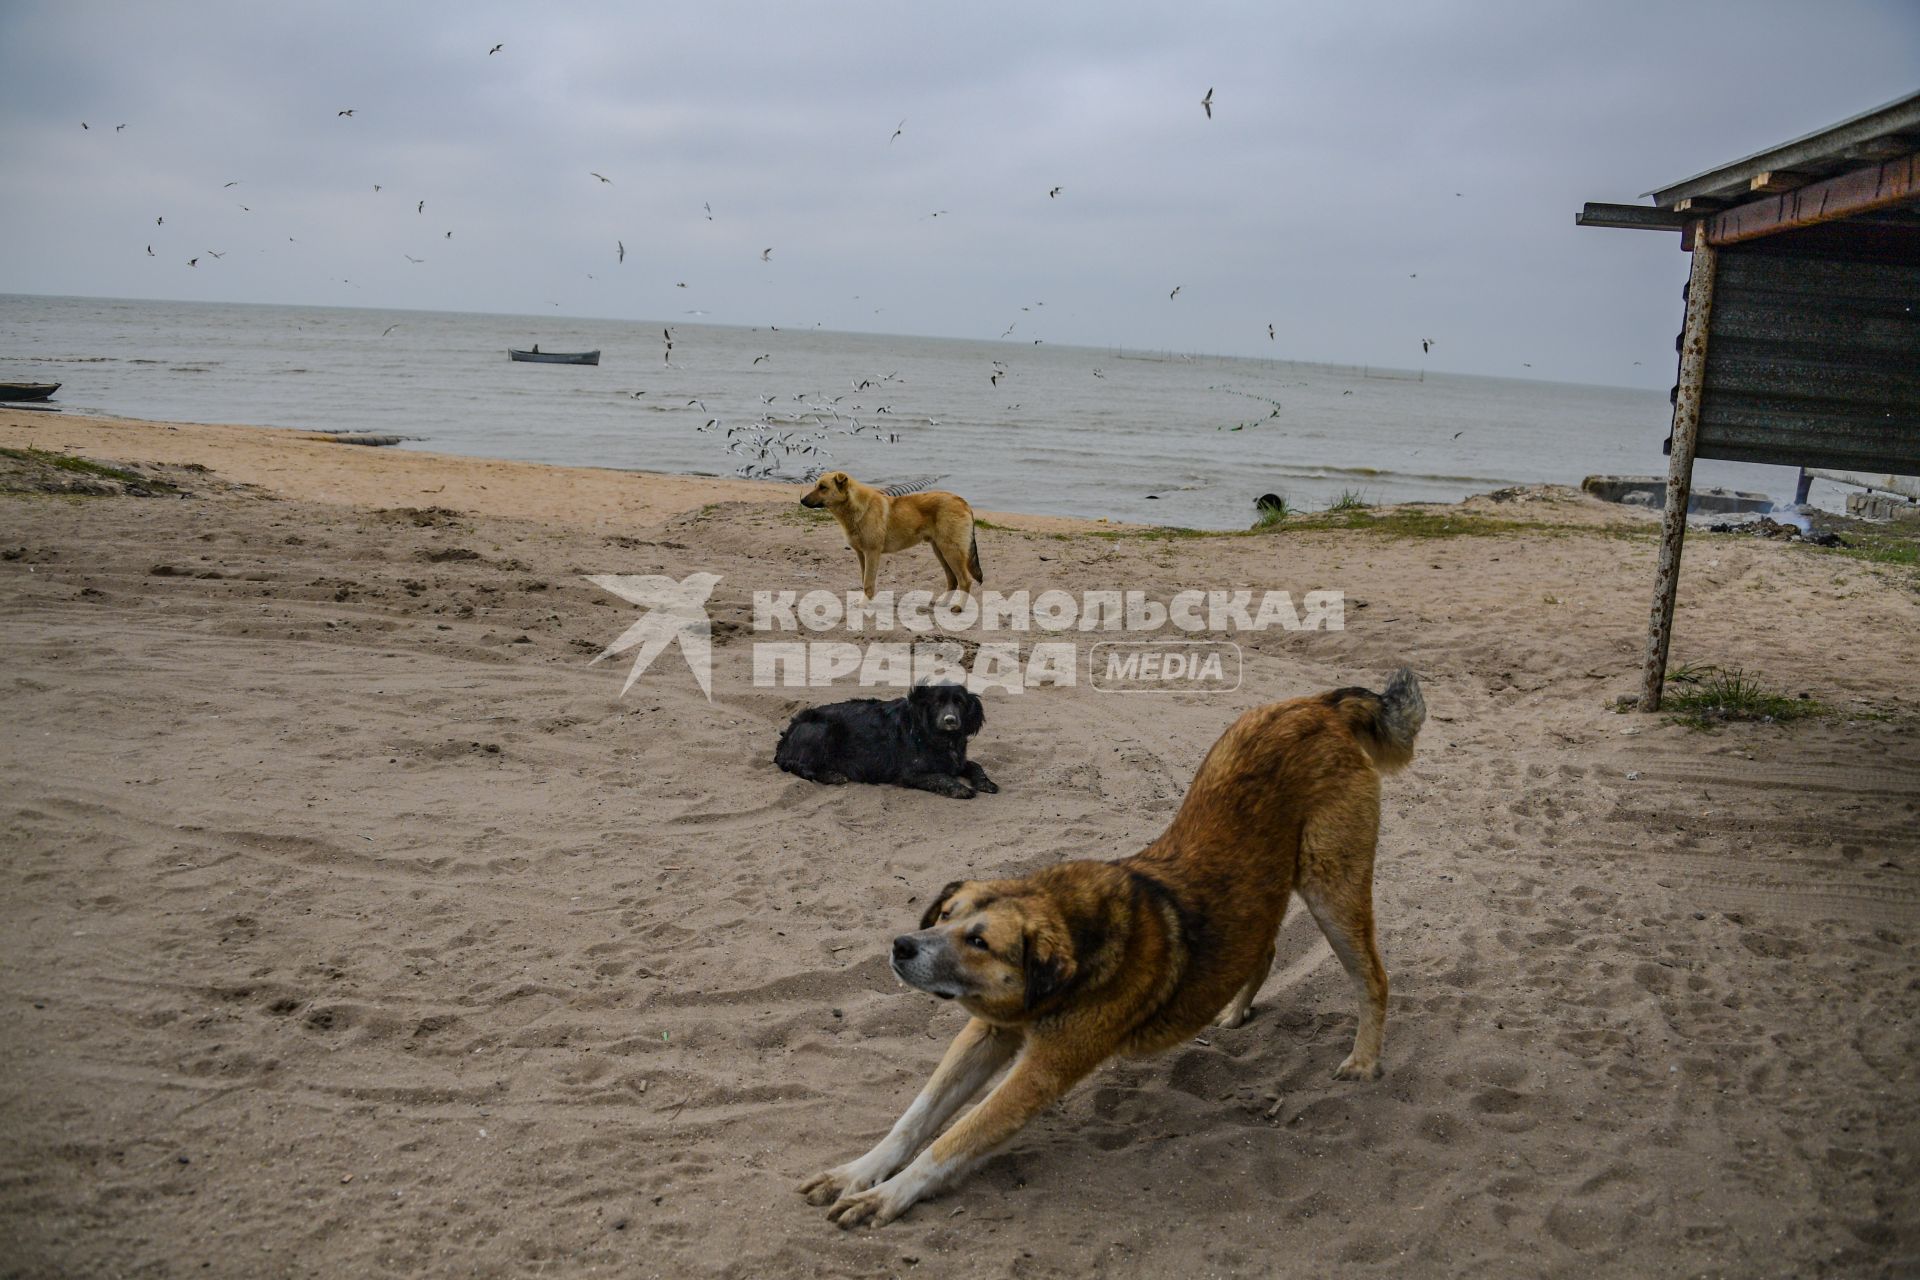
(80, 466)
(1412, 522)
(1350, 500)
(1705, 697)
(40, 471)
(1881, 548)
(1273, 508)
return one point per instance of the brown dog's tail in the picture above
(1384, 724)
(973, 556)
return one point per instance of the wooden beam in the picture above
(1778, 180)
(1686, 435)
(1841, 196)
(1637, 217)
(1697, 205)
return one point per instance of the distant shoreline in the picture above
(312, 466)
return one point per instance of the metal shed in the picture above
(1801, 339)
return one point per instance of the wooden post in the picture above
(1801, 488)
(1686, 433)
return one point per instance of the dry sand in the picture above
(355, 926)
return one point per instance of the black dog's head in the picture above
(947, 708)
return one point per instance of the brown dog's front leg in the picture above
(976, 1053)
(1036, 1080)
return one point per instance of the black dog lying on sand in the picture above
(916, 741)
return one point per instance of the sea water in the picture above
(1133, 435)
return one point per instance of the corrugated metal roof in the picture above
(1886, 130)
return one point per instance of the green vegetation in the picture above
(41, 467)
(80, 466)
(1272, 513)
(1350, 500)
(1418, 522)
(1882, 548)
(1704, 697)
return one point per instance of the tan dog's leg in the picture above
(1242, 1003)
(1035, 1082)
(1345, 915)
(956, 580)
(978, 1052)
(869, 571)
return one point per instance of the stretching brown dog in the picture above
(878, 523)
(1084, 960)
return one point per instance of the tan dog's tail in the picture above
(973, 556)
(1384, 724)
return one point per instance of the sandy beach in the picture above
(356, 925)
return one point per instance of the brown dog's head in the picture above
(830, 492)
(1001, 948)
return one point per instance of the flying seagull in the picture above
(150, 254)
(1426, 345)
(709, 208)
(83, 124)
(117, 128)
(622, 244)
(410, 258)
(1051, 194)
(211, 254)
(758, 359)
(1175, 293)
(449, 235)
(603, 177)
(897, 130)
(347, 112)
(497, 48)
(421, 207)
(234, 183)
(193, 262)
(159, 221)
(389, 329)
(1269, 333)
(766, 255)
(376, 188)
(1207, 102)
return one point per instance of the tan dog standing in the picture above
(1083, 960)
(878, 523)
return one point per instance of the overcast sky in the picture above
(1373, 174)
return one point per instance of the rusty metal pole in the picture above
(1686, 432)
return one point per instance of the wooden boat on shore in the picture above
(537, 356)
(39, 390)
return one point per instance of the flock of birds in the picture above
(772, 438)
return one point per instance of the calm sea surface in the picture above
(1133, 435)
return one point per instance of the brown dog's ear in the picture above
(932, 912)
(1049, 962)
